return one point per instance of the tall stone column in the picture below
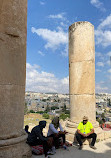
(82, 71)
(81, 75)
(13, 27)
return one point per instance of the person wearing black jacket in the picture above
(36, 138)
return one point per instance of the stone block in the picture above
(82, 77)
(12, 63)
(81, 42)
(13, 17)
(19, 150)
(82, 105)
(11, 110)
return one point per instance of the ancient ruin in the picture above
(13, 32)
(82, 77)
(82, 71)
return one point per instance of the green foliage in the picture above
(109, 102)
(64, 108)
(40, 112)
(100, 121)
(63, 116)
(67, 112)
(47, 109)
(96, 113)
(44, 100)
(32, 111)
(46, 116)
(54, 107)
(102, 115)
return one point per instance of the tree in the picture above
(47, 109)
(64, 108)
(63, 116)
(108, 102)
(54, 107)
(32, 111)
(102, 116)
(67, 112)
(40, 112)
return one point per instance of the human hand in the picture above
(61, 132)
(65, 132)
(84, 135)
(87, 134)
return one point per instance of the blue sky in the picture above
(48, 21)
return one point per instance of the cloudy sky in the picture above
(47, 42)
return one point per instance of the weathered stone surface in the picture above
(81, 71)
(13, 17)
(11, 110)
(12, 64)
(17, 150)
(81, 42)
(13, 33)
(82, 77)
(82, 105)
(13, 23)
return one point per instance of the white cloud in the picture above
(109, 53)
(98, 4)
(41, 53)
(41, 81)
(57, 16)
(101, 64)
(108, 62)
(65, 51)
(109, 70)
(98, 70)
(53, 38)
(101, 82)
(35, 66)
(105, 23)
(63, 24)
(42, 3)
(103, 32)
(98, 54)
(103, 37)
(100, 88)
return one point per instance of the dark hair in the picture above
(26, 128)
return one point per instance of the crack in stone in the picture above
(81, 94)
(11, 85)
(82, 61)
(12, 35)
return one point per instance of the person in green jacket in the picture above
(85, 130)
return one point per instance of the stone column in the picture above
(82, 71)
(13, 27)
(81, 76)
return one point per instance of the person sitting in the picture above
(26, 129)
(53, 132)
(85, 130)
(36, 138)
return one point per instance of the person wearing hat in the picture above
(85, 130)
